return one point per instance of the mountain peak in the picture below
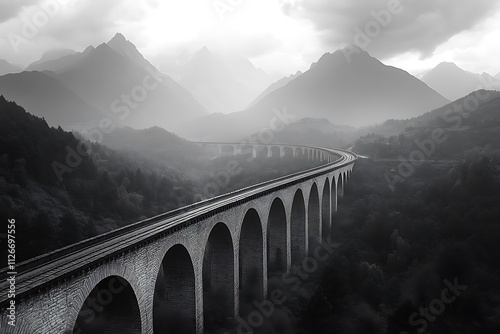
(204, 52)
(354, 55)
(448, 65)
(126, 48)
(118, 38)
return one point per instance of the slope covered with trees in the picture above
(61, 188)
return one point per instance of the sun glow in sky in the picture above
(280, 36)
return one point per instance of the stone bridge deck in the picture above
(52, 289)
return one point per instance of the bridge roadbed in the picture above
(48, 270)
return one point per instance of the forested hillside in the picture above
(100, 190)
(61, 188)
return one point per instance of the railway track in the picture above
(48, 270)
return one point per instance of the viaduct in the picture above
(179, 270)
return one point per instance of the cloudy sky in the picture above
(280, 36)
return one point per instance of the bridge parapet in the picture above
(309, 152)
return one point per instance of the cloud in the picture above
(10, 9)
(420, 26)
(66, 24)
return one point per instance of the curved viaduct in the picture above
(187, 267)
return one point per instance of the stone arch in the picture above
(298, 227)
(110, 307)
(245, 149)
(334, 196)
(262, 151)
(340, 186)
(313, 217)
(276, 238)
(174, 305)
(298, 152)
(288, 152)
(218, 278)
(251, 260)
(275, 152)
(325, 210)
(227, 150)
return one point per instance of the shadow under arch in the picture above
(251, 261)
(111, 307)
(298, 227)
(174, 307)
(276, 238)
(218, 278)
(326, 215)
(314, 220)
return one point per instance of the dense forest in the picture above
(416, 236)
(420, 259)
(62, 188)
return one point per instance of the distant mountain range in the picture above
(358, 93)
(112, 81)
(47, 58)
(6, 67)
(277, 85)
(453, 82)
(222, 85)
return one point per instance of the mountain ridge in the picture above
(8, 68)
(331, 89)
(453, 82)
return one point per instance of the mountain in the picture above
(453, 83)
(6, 67)
(121, 45)
(214, 84)
(497, 76)
(63, 63)
(276, 85)
(46, 97)
(475, 133)
(357, 93)
(255, 78)
(120, 86)
(443, 117)
(140, 97)
(47, 58)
